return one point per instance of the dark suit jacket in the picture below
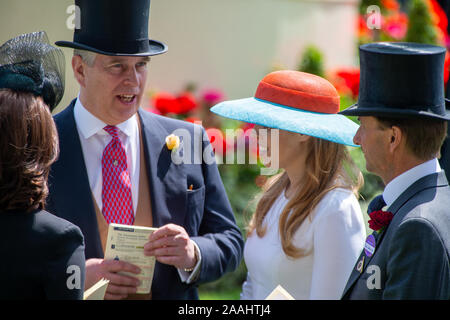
(444, 161)
(36, 253)
(205, 212)
(411, 259)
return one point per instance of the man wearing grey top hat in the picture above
(401, 109)
(115, 165)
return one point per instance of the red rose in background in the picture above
(396, 25)
(379, 219)
(351, 79)
(390, 5)
(363, 30)
(186, 103)
(212, 96)
(165, 103)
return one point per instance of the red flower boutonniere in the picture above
(379, 220)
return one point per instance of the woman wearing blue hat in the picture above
(307, 230)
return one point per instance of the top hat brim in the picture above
(381, 111)
(155, 48)
(329, 126)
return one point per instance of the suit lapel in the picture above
(71, 190)
(429, 181)
(167, 180)
(355, 273)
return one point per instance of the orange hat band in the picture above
(297, 99)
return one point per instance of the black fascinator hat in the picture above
(29, 63)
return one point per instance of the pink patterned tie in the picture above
(116, 189)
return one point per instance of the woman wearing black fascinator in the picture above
(42, 255)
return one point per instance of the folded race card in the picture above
(126, 243)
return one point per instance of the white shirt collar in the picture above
(88, 124)
(400, 183)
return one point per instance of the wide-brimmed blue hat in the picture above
(294, 101)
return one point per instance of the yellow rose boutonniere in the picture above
(172, 142)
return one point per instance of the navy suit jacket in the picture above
(41, 254)
(204, 212)
(412, 256)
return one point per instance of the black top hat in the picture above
(114, 28)
(399, 79)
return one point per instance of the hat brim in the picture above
(155, 48)
(333, 127)
(355, 110)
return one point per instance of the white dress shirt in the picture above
(94, 140)
(333, 234)
(400, 183)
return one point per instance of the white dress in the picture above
(334, 233)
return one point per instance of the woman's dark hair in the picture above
(28, 147)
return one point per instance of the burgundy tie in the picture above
(116, 189)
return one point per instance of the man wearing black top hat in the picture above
(116, 167)
(401, 109)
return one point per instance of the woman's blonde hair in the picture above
(328, 166)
